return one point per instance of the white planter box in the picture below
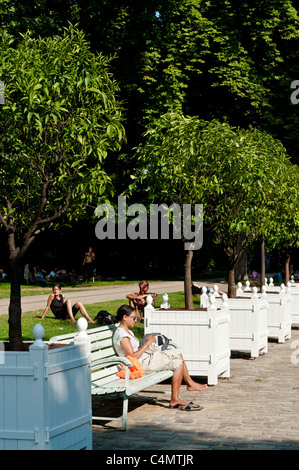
(248, 325)
(279, 316)
(202, 335)
(279, 313)
(294, 289)
(45, 398)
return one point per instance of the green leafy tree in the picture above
(249, 165)
(233, 172)
(211, 59)
(284, 233)
(172, 171)
(60, 119)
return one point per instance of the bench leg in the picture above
(125, 412)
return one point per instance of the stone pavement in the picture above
(257, 408)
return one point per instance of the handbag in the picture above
(136, 370)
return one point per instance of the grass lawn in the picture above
(55, 327)
(45, 288)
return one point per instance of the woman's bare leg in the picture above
(69, 310)
(176, 382)
(191, 385)
(82, 309)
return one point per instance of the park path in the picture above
(257, 408)
(92, 295)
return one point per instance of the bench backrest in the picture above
(100, 341)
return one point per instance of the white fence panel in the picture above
(294, 289)
(248, 324)
(45, 399)
(202, 335)
(279, 311)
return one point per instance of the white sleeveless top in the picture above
(119, 334)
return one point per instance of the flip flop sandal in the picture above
(190, 407)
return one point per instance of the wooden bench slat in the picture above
(105, 364)
(105, 374)
(103, 354)
(106, 343)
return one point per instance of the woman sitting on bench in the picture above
(126, 344)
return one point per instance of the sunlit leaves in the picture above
(236, 173)
(60, 120)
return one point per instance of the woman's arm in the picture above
(127, 346)
(133, 296)
(51, 296)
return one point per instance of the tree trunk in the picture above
(231, 291)
(263, 269)
(15, 311)
(287, 268)
(187, 280)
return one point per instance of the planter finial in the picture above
(254, 293)
(212, 305)
(165, 303)
(247, 287)
(82, 326)
(38, 333)
(216, 293)
(239, 290)
(264, 291)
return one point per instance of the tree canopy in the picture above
(233, 59)
(235, 173)
(60, 119)
(227, 65)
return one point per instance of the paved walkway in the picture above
(256, 408)
(91, 295)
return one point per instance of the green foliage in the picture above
(235, 173)
(60, 119)
(55, 327)
(285, 224)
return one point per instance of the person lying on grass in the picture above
(62, 308)
(126, 344)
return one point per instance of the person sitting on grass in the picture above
(62, 308)
(137, 300)
(126, 344)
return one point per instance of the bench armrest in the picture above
(109, 361)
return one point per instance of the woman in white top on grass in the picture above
(126, 344)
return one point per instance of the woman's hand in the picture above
(127, 347)
(149, 340)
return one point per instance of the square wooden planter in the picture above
(279, 312)
(294, 289)
(202, 335)
(45, 397)
(248, 324)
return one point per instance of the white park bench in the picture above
(105, 364)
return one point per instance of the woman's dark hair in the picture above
(56, 285)
(124, 310)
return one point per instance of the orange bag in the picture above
(135, 371)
